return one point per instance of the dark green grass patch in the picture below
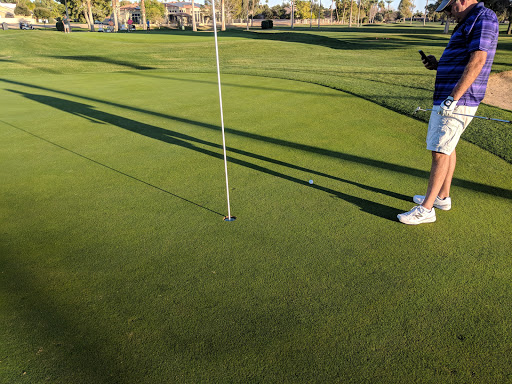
(116, 266)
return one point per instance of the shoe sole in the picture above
(426, 221)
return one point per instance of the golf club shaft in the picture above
(461, 114)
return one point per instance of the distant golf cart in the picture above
(105, 26)
(24, 25)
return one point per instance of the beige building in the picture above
(175, 13)
(130, 11)
(181, 12)
(7, 10)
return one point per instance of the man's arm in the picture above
(471, 72)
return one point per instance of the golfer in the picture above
(461, 80)
(67, 25)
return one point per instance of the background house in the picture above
(181, 13)
(175, 13)
(7, 10)
(130, 11)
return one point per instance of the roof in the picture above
(130, 6)
(181, 4)
(8, 5)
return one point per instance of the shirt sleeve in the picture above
(484, 33)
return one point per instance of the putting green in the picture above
(117, 262)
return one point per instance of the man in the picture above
(67, 25)
(461, 80)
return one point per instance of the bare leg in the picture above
(445, 189)
(441, 174)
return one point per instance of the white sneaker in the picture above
(417, 215)
(443, 204)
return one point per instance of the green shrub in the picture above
(42, 13)
(22, 9)
(267, 24)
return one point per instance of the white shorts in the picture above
(444, 131)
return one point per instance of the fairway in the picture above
(117, 267)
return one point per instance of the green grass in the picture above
(377, 63)
(116, 266)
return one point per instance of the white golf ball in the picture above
(310, 181)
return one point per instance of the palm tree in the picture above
(426, 10)
(253, 3)
(143, 11)
(114, 10)
(194, 28)
(91, 18)
(359, 13)
(292, 16)
(350, 16)
(223, 14)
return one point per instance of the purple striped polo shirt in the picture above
(477, 32)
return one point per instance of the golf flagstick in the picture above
(228, 217)
(461, 114)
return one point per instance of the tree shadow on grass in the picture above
(378, 164)
(190, 142)
(356, 42)
(112, 169)
(69, 346)
(342, 92)
(103, 59)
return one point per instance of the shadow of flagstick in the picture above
(179, 139)
(378, 164)
(112, 169)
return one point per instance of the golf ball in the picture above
(310, 181)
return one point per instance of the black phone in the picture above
(423, 56)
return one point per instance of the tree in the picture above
(42, 13)
(22, 10)
(56, 9)
(86, 10)
(142, 6)
(302, 9)
(23, 7)
(154, 10)
(503, 9)
(223, 15)
(404, 9)
(431, 12)
(88, 15)
(194, 27)
(279, 12)
(267, 12)
(358, 12)
(350, 17)
(115, 9)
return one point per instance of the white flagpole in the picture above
(228, 217)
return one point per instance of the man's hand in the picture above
(430, 63)
(447, 106)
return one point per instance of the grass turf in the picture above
(377, 63)
(117, 266)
